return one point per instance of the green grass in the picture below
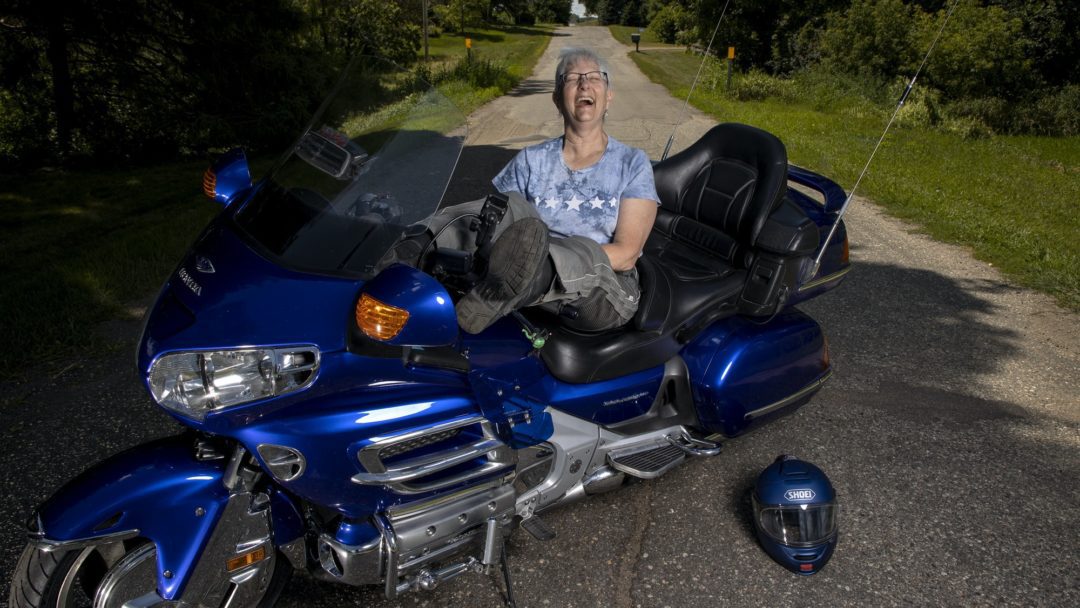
(622, 34)
(1015, 201)
(81, 247)
(511, 50)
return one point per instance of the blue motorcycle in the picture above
(338, 421)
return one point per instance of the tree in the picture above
(872, 38)
(980, 54)
(552, 11)
(672, 23)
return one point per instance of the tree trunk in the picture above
(56, 52)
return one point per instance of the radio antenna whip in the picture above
(686, 103)
(900, 104)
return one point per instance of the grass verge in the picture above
(504, 56)
(78, 248)
(622, 34)
(1014, 200)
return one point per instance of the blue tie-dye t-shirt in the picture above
(579, 203)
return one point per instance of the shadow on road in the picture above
(532, 87)
(912, 325)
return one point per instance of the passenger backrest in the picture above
(717, 194)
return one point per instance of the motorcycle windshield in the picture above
(377, 157)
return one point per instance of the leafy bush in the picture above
(756, 85)
(480, 73)
(673, 24)
(873, 38)
(966, 127)
(990, 111)
(981, 52)
(922, 108)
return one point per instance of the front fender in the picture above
(157, 491)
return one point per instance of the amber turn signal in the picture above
(209, 183)
(251, 557)
(378, 320)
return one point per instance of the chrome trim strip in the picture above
(407, 510)
(786, 401)
(821, 281)
(48, 545)
(426, 465)
(397, 478)
(369, 456)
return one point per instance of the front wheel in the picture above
(105, 576)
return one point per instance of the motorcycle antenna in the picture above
(686, 104)
(900, 104)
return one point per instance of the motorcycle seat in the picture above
(715, 198)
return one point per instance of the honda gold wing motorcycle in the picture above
(338, 421)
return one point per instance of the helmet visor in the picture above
(797, 525)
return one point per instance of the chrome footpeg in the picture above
(695, 446)
(647, 462)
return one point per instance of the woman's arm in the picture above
(636, 217)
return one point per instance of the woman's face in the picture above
(586, 100)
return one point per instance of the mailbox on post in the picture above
(636, 38)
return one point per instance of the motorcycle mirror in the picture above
(227, 177)
(405, 307)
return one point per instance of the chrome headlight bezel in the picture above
(194, 383)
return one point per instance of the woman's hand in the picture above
(636, 217)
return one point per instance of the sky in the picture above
(578, 9)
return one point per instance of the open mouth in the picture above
(584, 101)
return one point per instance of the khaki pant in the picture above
(584, 279)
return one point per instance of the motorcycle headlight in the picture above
(195, 383)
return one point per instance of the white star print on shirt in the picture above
(614, 202)
(574, 203)
(551, 202)
(596, 202)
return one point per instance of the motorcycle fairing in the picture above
(246, 300)
(159, 490)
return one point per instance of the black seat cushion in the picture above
(719, 192)
(678, 299)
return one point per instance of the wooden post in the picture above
(730, 61)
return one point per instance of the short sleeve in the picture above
(515, 175)
(641, 183)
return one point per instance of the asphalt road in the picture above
(951, 429)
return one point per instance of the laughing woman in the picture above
(589, 204)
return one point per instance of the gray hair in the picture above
(571, 55)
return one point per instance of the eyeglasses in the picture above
(594, 77)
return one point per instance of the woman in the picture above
(593, 193)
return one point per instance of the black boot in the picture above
(516, 270)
